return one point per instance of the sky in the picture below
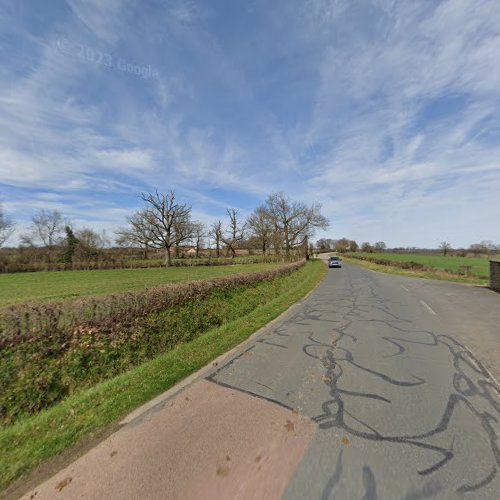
(386, 112)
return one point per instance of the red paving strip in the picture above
(209, 442)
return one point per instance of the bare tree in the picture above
(366, 247)
(6, 227)
(353, 246)
(198, 233)
(380, 246)
(48, 226)
(483, 247)
(295, 221)
(445, 247)
(161, 213)
(89, 244)
(235, 231)
(325, 244)
(342, 245)
(216, 233)
(138, 232)
(183, 231)
(261, 225)
(47, 229)
(476, 249)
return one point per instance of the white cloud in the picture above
(374, 91)
(354, 126)
(104, 18)
(128, 160)
(188, 12)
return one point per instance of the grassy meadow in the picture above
(478, 265)
(472, 270)
(44, 286)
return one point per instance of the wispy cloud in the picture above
(103, 18)
(384, 111)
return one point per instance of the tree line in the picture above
(164, 224)
(279, 225)
(344, 245)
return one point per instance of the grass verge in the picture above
(415, 273)
(34, 439)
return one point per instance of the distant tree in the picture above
(445, 247)
(366, 247)
(216, 233)
(261, 225)
(48, 226)
(353, 246)
(380, 246)
(70, 245)
(198, 233)
(294, 221)
(488, 246)
(322, 244)
(47, 230)
(485, 247)
(162, 212)
(325, 244)
(342, 245)
(235, 231)
(139, 232)
(183, 231)
(6, 227)
(89, 246)
(476, 249)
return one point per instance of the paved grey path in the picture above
(404, 409)
(367, 389)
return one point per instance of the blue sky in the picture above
(386, 112)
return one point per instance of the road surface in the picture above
(366, 389)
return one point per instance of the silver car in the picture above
(334, 262)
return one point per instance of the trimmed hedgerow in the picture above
(19, 267)
(51, 350)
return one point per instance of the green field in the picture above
(23, 287)
(478, 265)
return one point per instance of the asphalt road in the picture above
(366, 389)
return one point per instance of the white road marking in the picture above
(428, 307)
(404, 288)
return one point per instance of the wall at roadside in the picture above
(495, 275)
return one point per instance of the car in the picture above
(334, 262)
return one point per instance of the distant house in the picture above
(185, 251)
(242, 252)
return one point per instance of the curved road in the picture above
(366, 389)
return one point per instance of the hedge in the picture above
(50, 350)
(17, 267)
